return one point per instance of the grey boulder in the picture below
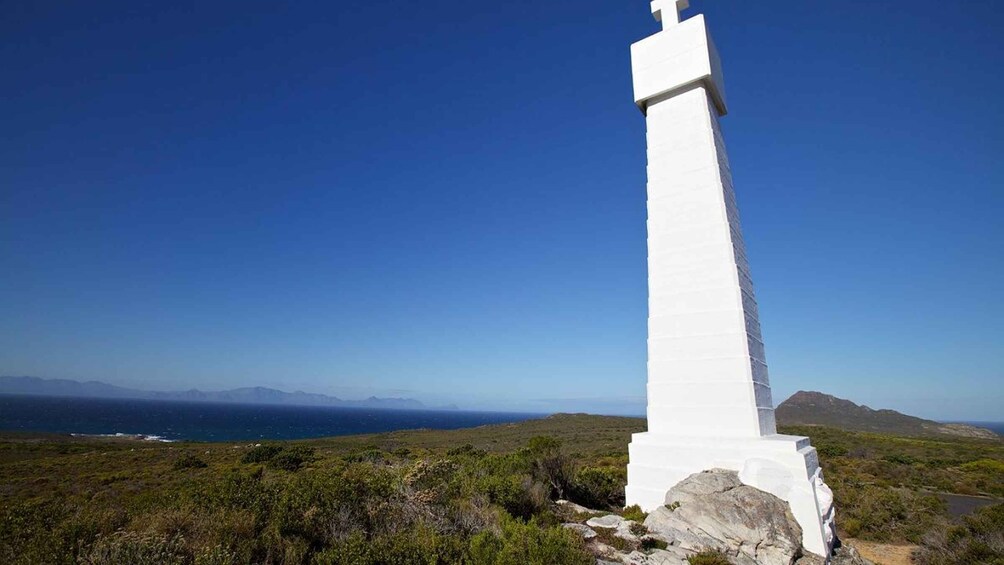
(608, 521)
(714, 510)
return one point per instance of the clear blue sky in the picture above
(445, 200)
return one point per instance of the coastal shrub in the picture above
(597, 488)
(851, 526)
(52, 531)
(467, 450)
(984, 466)
(648, 543)
(350, 550)
(135, 549)
(189, 461)
(519, 495)
(527, 543)
(419, 545)
(986, 475)
(899, 459)
(238, 489)
(261, 453)
(291, 459)
(634, 512)
(831, 450)
(978, 540)
(709, 557)
(885, 514)
(214, 535)
(471, 516)
(217, 555)
(550, 465)
(367, 455)
(29, 533)
(430, 474)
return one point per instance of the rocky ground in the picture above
(707, 512)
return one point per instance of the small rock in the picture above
(608, 521)
(586, 532)
(669, 556)
(848, 555)
(604, 551)
(573, 507)
(635, 558)
(624, 531)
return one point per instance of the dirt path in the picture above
(883, 553)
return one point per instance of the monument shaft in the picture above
(707, 374)
(709, 400)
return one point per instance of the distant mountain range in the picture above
(818, 409)
(248, 395)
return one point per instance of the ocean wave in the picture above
(143, 437)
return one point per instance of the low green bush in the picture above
(135, 549)
(291, 459)
(888, 513)
(367, 455)
(709, 557)
(599, 488)
(527, 543)
(648, 543)
(978, 540)
(189, 461)
(634, 512)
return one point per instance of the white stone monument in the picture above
(709, 401)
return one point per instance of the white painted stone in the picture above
(709, 401)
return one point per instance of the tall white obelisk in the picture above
(709, 402)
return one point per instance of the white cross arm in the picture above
(668, 11)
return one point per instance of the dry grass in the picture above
(884, 553)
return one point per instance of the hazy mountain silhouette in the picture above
(247, 395)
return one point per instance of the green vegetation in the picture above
(635, 513)
(979, 539)
(709, 558)
(476, 496)
(189, 461)
(886, 487)
(481, 495)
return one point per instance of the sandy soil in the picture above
(883, 553)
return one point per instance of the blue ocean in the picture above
(199, 421)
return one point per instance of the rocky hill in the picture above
(818, 409)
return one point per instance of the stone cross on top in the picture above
(668, 11)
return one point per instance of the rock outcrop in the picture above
(712, 510)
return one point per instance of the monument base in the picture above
(785, 466)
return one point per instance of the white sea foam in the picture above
(144, 437)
